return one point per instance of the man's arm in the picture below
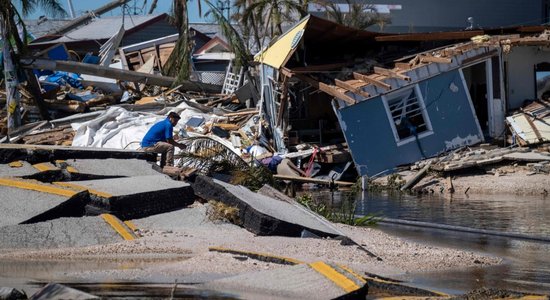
(176, 144)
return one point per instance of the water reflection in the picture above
(527, 264)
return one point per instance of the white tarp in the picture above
(119, 128)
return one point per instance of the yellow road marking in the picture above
(68, 168)
(130, 225)
(71, 169)
(257, 255)
(44, 167)
(15, 164)
(359, 277)
(118, 227)
(341, 280)
(533, 297)
(83, 188)
(31, 185)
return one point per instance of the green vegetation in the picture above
(253, 178)
(344, 214)
(221, 212)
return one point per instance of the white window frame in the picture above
(420, 99)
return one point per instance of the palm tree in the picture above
(273, 13)
(15, 46)
(247, 25)
(179, 61)
(359, 15)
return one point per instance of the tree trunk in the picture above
(10, 77)
(179, 62)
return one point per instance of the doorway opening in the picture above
(476, 81)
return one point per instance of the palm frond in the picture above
(208, 156)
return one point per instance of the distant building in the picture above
(449, 15)
(91, 35)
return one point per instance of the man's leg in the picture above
(165, 149)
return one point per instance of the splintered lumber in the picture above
(403, 66)
(96, 70)
(391, 73)
(435, 59)
(348, 86)
(373, 81)
(409, 184)
(331, 90)
(313, 180)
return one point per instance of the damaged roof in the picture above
(311, 28)
(103, 28)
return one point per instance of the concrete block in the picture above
(43, 153)
(260, 214)
(134, 197)
(304, 281)
(109, 167)
(527, 156)
(65, 232)
(28, 201)
(17, 169)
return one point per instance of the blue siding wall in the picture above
(370, 137)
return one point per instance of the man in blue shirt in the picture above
(159, 139)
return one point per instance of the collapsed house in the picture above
(399, 98)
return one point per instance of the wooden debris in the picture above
(410, 184)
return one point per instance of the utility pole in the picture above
(10, 77)
(224, 5)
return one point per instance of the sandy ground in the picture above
(198, 264)
(507, 180)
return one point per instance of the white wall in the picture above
(521, 63)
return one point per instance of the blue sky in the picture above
(80, 6)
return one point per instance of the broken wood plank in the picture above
(226, 126)
(83, 68)
(391, 73)
(241, 113)
(351, 88)
(331, 90)
(321, 68)
(432, 36)
(403, 66)
(373, 81)
(313, 180)
(416, 178)
(435, 59)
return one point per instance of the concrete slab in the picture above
(29, 201)
(134, 197)
(17, 169)
(527, 156)
(185, 218)
(316, 280)
(260, 214)
(65, 232)
(109, 167)
(55, 291)
(44, 153)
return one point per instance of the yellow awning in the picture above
(279, 52)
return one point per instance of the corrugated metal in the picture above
(153, 31)
(103, 28)
(532, 126)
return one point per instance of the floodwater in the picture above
(526, 265)
(31, 275)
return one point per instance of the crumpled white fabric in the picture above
(119, 128)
